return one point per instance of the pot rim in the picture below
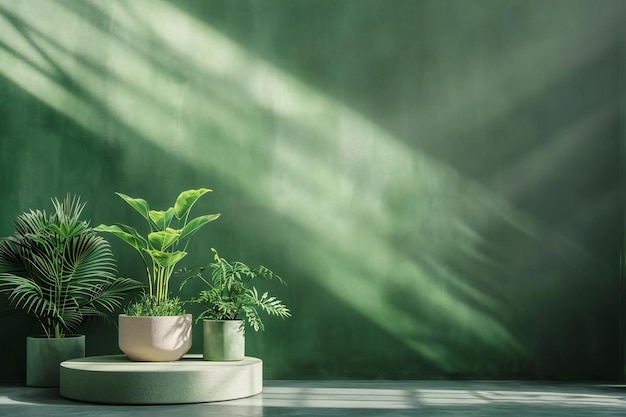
(149, 317)
(67, 336)
(222, 320)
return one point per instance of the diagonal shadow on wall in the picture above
(416, 246)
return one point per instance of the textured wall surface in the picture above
(437, 181)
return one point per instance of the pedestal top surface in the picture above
(120, 363)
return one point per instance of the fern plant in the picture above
(229, 294)
(59, 270)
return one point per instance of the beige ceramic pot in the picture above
(155, 338)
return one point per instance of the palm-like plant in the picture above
(228, 294)
(59, 270)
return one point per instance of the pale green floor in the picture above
(355, 398)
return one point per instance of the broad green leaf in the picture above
(186, 200)
(162, 218)
(163, 239)
(194, 225)
(138, 204)
(166, 259)
(132, 237)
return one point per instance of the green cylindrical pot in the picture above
(43, 356)
(224, 340)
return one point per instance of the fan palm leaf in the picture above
(57, 269)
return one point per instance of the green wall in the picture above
(437, 181)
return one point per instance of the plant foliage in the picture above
(229, 293)
(148, 305)
(167, 238)
(59, 270)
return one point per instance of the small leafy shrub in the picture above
(229, 293)
(149, 305)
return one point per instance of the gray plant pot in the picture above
(43, 356)
(224, 340)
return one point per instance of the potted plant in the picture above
(228, 297)
(60, 271)
(155, 328)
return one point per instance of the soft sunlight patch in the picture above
(355, 192)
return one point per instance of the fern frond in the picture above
(271, 305)
(253, 318)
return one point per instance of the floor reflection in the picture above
(351, 398)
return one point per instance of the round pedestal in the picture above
(114, 379)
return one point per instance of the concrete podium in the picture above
(114, 379)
